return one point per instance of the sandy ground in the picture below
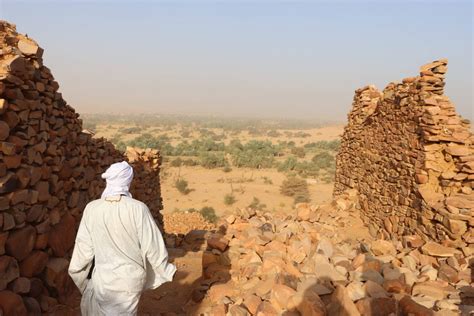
(209, 186)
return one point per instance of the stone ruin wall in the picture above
(410, 156)
(49, 170)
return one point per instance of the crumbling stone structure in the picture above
(49, 170)
(411, 158)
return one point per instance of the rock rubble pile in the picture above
(320, 262)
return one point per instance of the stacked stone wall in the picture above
(411, 158)
(49, 170)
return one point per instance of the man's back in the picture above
(114, 225)
(120, 235)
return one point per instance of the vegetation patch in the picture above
(182, 186)
(296, 188)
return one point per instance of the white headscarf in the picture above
(118, 178)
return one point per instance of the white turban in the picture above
(118, 178)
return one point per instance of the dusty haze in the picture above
(254, 58)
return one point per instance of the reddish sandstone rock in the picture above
(265, 309)
(20, 285)
(4, 130)
(3, 240)
(236, 310)
(381, 306)
(219, 310)
(32, 305)
(219, 291)
(447, 273)
(62, 236)
(394, 286)
(341, 304)
(383, 247)
(435, 249)
(12, 304)
(307, 303)
(34, 264)
(57, 277)
(280, 296)
(410, 307)
(216, 272)
(41, 241)
(217, 241)
(20, 242)
(252, 302)
(37, 288)
(9, 271)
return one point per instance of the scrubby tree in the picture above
(229, 199)
(323, 160)
(288, 165)
(298, 151)
(296, 188)
(182, 186)
(212, 160)
(178, 162)
(256, 204)
(209, 214)
(254, 154)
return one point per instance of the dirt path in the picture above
(171, 298)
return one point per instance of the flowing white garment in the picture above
(130, 256)
(118, 178)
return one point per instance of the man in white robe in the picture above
(120, 235)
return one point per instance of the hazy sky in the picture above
(298, 59)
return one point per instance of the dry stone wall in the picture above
(49, 170)
(411, 158)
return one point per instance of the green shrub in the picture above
(328, 178)
(190, 162)
(296, 188)
(177, 162)
(332, 145)
(298, 151)
(256, 204)
(229, 199)
(300, 198)
(121, 146)
(301, 134)
(323, 160)
(185, 134)
(212, 160)
(289, 164)
(182, 186)
(209, 214)
(273, 133)
(254, 154)
(149, 141)
(132, 130)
